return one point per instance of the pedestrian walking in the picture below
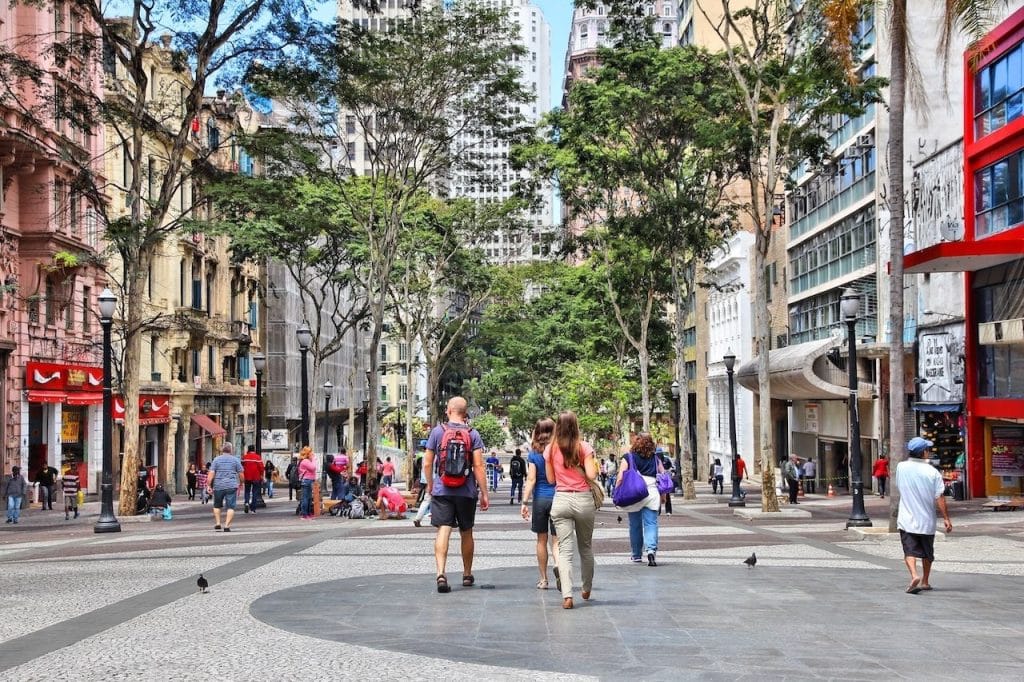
(613, 467)
(307, 475)
(269, 470)
(739, 472)
(493, 470)
(569, 462)
(881, 473)
(252, 464)
(666, 463)
(14, 488)
(517, 472)
(454, 466)
(717, 477)
(423, 501)
(643, 515)
(542, 493)
(791, 472)
(202, 481)
(810, 471)
(921, 490)
(47, 478)
(70, 485)
(224, 476)
(191, 479)
(387, 473)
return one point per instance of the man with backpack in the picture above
(292, 475)
(517, 472)
(454, 470)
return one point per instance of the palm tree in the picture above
(972, 18)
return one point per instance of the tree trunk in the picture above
(762, 334)
(897, 98)
(645, 389)
(682, 414)
(135, 271)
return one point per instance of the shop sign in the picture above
(70, 426)
(274, 439)
(811, 416)
(1007, 451)
(153, 409)
(50, 376)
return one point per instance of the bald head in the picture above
(457, 408)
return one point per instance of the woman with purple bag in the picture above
(643, 514)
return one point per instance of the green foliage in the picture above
(490, 430)
(601, 394)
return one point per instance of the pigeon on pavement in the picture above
(620, 519)
(202, 583)
(751, 560)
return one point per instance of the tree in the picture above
(220, 38)
(490, 430)
(422, 96)
(786, 76)
(602, 395)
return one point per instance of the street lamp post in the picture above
(736, 500)
(850, 306)
(675, 423)
(400, 427)
(366, 413)
(107, 522)
(327, 426)
(305, 337)
(259, 363)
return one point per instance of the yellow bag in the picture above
(81, 497)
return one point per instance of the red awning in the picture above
(40, 396)
(968, 256)
(208, 425)
(84, 398)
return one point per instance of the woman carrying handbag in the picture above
(569, 462)
(643, 515)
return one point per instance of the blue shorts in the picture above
(225, 498)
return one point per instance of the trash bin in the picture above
(959, 492)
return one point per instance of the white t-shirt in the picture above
(920, 484)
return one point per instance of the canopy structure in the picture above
(803, 372)
(208, 425)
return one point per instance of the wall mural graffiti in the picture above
(936, 197)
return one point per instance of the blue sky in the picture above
(559, 15)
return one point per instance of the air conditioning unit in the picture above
(1001, 333)
(865, 141)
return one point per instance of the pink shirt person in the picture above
(569, 480)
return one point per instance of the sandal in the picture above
(542, 584)
(468, 580)
(442, 584)
(567, 603)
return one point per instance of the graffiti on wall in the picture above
(937, 197)
(940, 365)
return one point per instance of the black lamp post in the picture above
(107, 522)
(305, 338)
(399, 426)
(675, 424)
(366, 411)
(328, 386)
(736, 500)
(849, 305)
(259, 363)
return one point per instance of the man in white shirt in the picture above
(921, 488)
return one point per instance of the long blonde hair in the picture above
(567, 436)
(542, 431)
(306, 452)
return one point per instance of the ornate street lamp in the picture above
(305, 338)
(366, 411)
(675, 423)
(328, 387)
(259, 363)
(107, 522)
(849, 305)
(736, 500)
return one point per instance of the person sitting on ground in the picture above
(390, 503)
(159, 499)
(353, 491)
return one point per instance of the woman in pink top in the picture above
(569, 462)
(307, 474)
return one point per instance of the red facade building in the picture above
(991, 256)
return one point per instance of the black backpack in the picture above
(515, 468)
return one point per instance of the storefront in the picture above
(63, 404)
(154, 417)
(939, 408)
(990, 256)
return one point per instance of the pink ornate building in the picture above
(50, 272)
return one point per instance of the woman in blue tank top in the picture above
(543, 493)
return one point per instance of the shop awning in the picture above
(802, 372)
(84, 398)
(937, 407)
(208, 425)
(41, 396)
(966, 256)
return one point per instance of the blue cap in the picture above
(918, 444)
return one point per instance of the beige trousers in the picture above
(573, 516)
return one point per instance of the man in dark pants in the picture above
(46, 478)
(791, 472)
(921, 490)
(517, 472)
(291, 474)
